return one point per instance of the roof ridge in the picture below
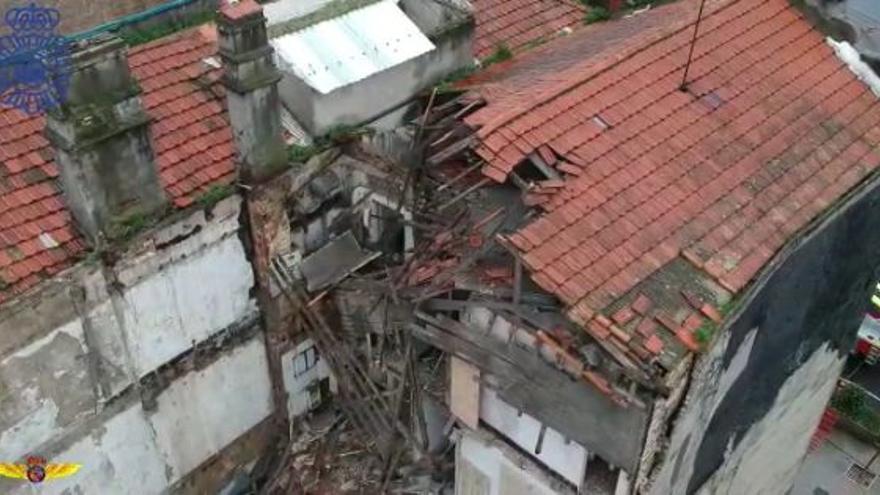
(566, 84)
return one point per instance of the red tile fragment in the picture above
(692, 257)
(647, 327)
(692, 322)
(687, 338)
(667, 322)
(597, 330)
(623, 316)
(642, 305)
(619, 334)
(598, 381)
(640, 351)
(710, 312)
(654, 345)
(475, 241)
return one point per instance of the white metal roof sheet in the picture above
(351, 47)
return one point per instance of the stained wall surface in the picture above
(758, 394)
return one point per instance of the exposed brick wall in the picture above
(78, 15)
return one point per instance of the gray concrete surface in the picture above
(824, 470)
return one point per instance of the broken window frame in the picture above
(304, 356)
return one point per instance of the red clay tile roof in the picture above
(191, 137)
(515, 23)
(774, 130)
(235, 9)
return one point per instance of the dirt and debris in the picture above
(425, 230)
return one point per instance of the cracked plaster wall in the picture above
(759, 393)
(78, 347)
(144, 452)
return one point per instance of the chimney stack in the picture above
(102, 142)
(251, 81)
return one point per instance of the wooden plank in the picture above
(517, 295)
(464, 392)
(462, 175)
(525, 381)
(464, 194)
(451, 150)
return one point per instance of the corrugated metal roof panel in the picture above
(351, 47)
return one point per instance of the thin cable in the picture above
(687, 66)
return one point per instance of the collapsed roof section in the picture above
(659, 204)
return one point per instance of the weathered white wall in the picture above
(370, 98)
(85, 341)
(204, 411)
(143, 452)
(566, 458)
(166, 313)
(298, 401)
(662, 412)
(44, 386)
(769, 455)
(120, 457)
(483, 467)
(187, 292)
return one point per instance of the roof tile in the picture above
(773, 129)
(166, 70)
(515, 24)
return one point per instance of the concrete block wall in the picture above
(143, 370)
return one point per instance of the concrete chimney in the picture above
(102, 142)
(251, 80)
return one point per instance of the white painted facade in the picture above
(143, 452)
(166, 313)
(564, 457)
(553, 451)
(486, 467)
(303, 368)
(182, 284)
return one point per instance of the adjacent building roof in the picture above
(351, 47)
(514, 23)
(771, 131)
(191, 138)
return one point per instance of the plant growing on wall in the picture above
(852, 402)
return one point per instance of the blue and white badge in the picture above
(34, 60)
